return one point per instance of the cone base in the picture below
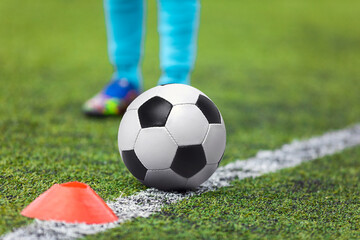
(71, 202)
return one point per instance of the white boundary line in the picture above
(150, 201)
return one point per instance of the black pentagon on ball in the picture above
(209, 109)
(189, 160)
(154, 112)
(133, 164)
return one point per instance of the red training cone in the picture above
(71, 202)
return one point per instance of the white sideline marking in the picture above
(150, 201)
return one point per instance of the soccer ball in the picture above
(172, 137)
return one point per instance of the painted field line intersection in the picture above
(150, 201)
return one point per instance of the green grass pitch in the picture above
(278, 70)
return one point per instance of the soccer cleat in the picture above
(112, 100)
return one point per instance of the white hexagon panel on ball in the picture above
(128, 130)
(155, 148)
(179, 93)
(187, 124)
(214, 143)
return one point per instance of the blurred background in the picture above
(284, 67)
(277, 69)
(259, 60)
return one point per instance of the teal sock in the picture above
(131, 73)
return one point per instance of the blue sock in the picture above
(131, 73)
(178, 28)
(124, 27)
(175, 76)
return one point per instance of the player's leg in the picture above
(125, 29)
(178, 28)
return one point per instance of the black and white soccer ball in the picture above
(172, 137)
